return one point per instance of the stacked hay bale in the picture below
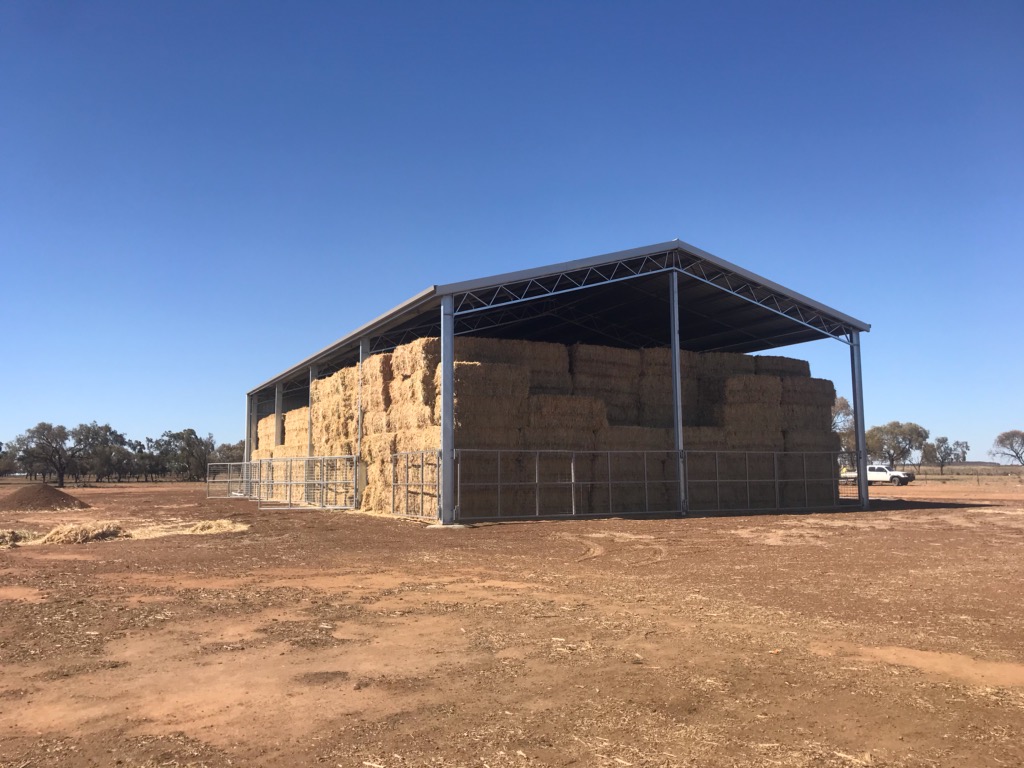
(610, 375)
(547, 364)
(807, 473)
(333, 402)
(520, 397)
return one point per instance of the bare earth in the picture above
(893, 637)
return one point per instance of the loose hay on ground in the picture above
(75, 533)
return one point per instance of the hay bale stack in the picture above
(490, 404)
(634, 439)
(807, 404)
(765, 391)
(802, 391)
(547, 364)
(611, 375)
(586, 414)
(771, 365)
(655, 387)
(296, 428)
(812, 440)
(290, 451)
(741, 439)
(704, 439)
(266, 436)
(412, 391)
(376, 380)
(723, 365)
(377, 452)
(333, 401)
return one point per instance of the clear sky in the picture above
(197, 195)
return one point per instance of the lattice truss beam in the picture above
(693, 266)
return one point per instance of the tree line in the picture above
(902, 442)
(100, 453)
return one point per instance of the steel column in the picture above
(447, 409)
(858, 419)
(250, 426)
(360, 464)
(314, 371)
(279, 414)
(677, 389)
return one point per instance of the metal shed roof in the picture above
(617, 299)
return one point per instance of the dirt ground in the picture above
(893, 637)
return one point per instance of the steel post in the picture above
(250, 426)
(314, 371)
(677, 389)
(359, 465)
(858, 419)
(447, 409)
(279, 414)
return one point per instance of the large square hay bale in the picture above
(568, 412)
(771, 365)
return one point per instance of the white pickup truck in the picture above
(879, 474)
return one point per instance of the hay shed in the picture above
(619, 384)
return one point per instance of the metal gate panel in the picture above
(232, 480)
(320, 482)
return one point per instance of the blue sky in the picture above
(195, 196)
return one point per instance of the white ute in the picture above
(880, 474)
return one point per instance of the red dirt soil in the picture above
(892, 637)
(40, 496)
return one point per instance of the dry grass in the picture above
(81, 533)
(12, 538)
(216, 526)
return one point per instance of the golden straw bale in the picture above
(739, 439)
(634, 439)
(419, 390)
(490, 379)
(376, 376)
(752, 416)
(807, 417)
(425, 439)
(567, 411)
(296, 427)
(474, 412)
(265, 431)
(723, 364)
(704, 439)
(613, 362)
(796, 391)
(290, 451)
(416, 357)
(556, 438)
(409, 415)
(754, 390)
(811, 440)
(547, 364)
(771, 365)
(375, 422)
(378, 448)
(484, 437)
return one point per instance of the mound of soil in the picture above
(38, 497)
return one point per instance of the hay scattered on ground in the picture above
(75, 533)
(38, 497)
(14, 538)
(217, 526)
